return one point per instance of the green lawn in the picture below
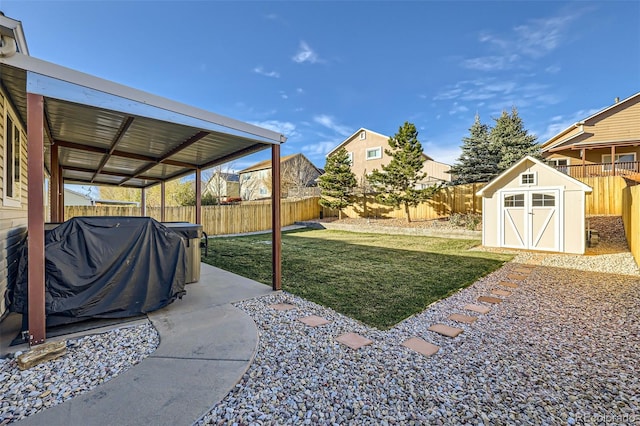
(377, 279)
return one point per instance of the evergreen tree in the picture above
(337, 182)
(511, 140)
(478, 161)
(397, 183)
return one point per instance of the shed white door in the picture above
(530, 219)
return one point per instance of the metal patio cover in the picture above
(110, 134)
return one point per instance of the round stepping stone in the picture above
(489, 299)
(445, 330)
(313, 321)
(353, 340)
(421, 346)
(477, 308)
(467, 319)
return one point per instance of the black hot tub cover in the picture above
(107, 267)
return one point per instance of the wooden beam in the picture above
(35, 219)
(193, 139)
(121, 132)
(246, 151)
(276, 228)
(106, 173)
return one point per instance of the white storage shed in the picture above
(533, 206)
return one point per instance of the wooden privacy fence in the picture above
(606, 197)
(216, 220)
(631, 218)
(452, 199)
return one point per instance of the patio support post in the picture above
(54, 182)
(35, 218)
(143, 202)
(162, 201)
(61, 217)
(276, 235)
(613, 160)
(198, 196)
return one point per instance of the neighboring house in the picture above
(223, 186)
(605, 144)
(73, 198)
(366, 151)
(296, 172)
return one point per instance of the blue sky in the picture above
(318, 71)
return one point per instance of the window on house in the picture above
(363, 135)
(350, 154)
(263, 191)
(514, 200)
(12, 163)
(625, 160)
(543, 200)
(374, 153)
(528, 179)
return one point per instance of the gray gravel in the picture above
(89, 362)
(562, 349)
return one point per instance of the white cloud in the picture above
(300, 91)
(559, 122)
(261, 71)
(283, 127)
(457, 109)
(272, 16)
(320, 148)
(553, 69)
(328, 122)
(283, 95)
(305, 54)
(533, 39)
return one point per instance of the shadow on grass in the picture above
(377, 279)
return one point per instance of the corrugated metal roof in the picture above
(108, 134)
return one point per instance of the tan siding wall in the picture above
(437, 170)
(13, 220)
(358, 147)
(617, 124)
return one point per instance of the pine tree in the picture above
(337, 182)
(511, 140)
(397, 183)
(478, 161)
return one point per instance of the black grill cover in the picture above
(106, 267)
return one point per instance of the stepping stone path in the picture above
(421, 346)
(508, 284)
(314, 321)
(445, 330)
(499, 292)
(282, 306)
(489, 299)
(353, 340)
(523, 270)
(467, 319)
(477, 308)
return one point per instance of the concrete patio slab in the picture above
(421, 346)
(206, 345)
(445, 330)
(466, 319)
(353, 340)
(477, 308)
(314, 321)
